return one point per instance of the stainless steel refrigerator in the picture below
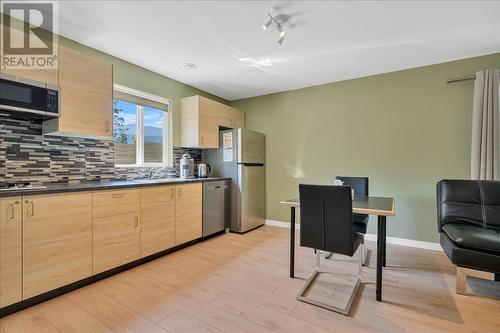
(241, 157)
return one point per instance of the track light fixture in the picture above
(268, 23)
(273, 22)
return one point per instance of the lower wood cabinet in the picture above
(188, 212)
(51, 240)
(157, 219)
(116, 228)
(11, 278)
(57, 241)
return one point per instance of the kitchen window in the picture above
(141, 126)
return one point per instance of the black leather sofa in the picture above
(469, 223)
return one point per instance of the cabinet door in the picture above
(10, 251)
(157, 219)
(41, 75)
(48, 76)
(209, 130)
(116, 241)
(239, 122)
(57, 241)
(86, 88)
(208, 113)
(188, 212)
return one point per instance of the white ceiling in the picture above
(327, 41)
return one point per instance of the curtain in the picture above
(485, 147)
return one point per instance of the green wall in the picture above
(405, 130)
(136, 77)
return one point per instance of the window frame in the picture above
(167, 147)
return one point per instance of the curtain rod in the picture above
(460, 79)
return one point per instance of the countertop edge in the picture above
(105, 185)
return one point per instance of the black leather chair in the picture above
(326, 225)
(469, 227)
(360, 186)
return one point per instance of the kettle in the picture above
(203, 170)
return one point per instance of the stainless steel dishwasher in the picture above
(216, 206)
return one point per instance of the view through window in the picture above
(140, 134)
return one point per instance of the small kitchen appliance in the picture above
(186, 166)
(203, 170)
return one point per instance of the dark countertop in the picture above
(103, 185)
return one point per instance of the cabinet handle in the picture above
(30, 208)
(106, 126)
(136, 223)
(172, 193)
(11, 207)
(117, 195)
(201, 139)
(179, 193)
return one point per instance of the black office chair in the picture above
(326, 225)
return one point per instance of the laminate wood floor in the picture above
(239, 283)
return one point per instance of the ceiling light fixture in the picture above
(189, 65)
(268, 23)
(275, 22)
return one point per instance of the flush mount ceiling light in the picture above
(189, 65)
(273, 24)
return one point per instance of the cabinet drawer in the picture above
(113, 202)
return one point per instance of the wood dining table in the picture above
(380, 206)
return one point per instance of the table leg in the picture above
(292, 242)
(384, 237)
(380, 254)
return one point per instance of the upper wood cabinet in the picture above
(57, 241)
(201, 118)
(41, 75)
(188, 212)
(116, 228)
(86, 92)
(11, 269)
(157, 219)
(48, 76)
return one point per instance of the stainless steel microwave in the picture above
(28, 98)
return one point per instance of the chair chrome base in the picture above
(344, 308)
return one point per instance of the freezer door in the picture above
(252, 188)
(251, 147)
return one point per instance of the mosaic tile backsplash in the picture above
(27, 155)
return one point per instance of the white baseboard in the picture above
(373, 237)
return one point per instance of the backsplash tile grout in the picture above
(27, 155)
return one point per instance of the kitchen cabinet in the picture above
(40, 75)
(201, 118)
(10, 251)
(188, 212)
(86, 93)
(31, 75)
(230, 117)
(57, 241)
(116, 228)
(157, 219)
